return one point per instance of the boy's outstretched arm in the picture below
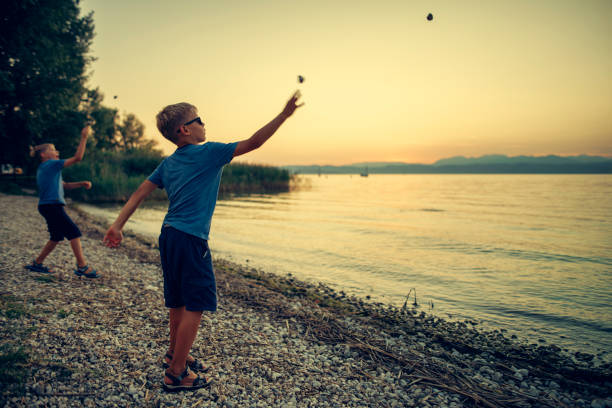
(77, 184)
(268, 130)
(78, 156)
(114, 235)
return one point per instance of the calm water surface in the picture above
(527, 253)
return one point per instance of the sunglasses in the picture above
(190, 122)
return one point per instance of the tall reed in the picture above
(242, 178)
(116, 175)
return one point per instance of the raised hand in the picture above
(85, 131)
(292, 105)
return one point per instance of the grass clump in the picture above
(15, 359)
(14, 370)
(11, 307)
(45, 278)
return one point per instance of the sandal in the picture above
(82, 271)
(198, 382)
(196, 365)
(38, 267)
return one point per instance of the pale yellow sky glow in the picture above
(382, 82)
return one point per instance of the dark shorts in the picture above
(59, 224)
(189, 279)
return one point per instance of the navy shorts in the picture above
(59, 224)
(189, 279)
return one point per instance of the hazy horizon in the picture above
(451, 157)
(381, 82)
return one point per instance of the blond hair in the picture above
(172, 117)
(41, 148)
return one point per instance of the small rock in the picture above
(533, 391)
(598, 403)
(524, 372)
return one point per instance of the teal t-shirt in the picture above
(50, 183)
(191, 177)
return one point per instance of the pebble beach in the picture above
(69, 341)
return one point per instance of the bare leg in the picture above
(186, 332)
(49, 246)
(78, 252)
(176, 315)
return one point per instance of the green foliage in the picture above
(8, 187)
(241, 178)
(45, 278)
(111, 132)
(105, 121)
(44, 46)
(18, 185)
(62, 314)
(140, 161)
(43, 58)
(131, 132)
(114, 175)
(104, 128)
(12, 307)
(13, 369)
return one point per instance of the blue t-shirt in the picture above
(191, 177)
(50, 183)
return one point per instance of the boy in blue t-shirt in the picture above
(191, 177)
(51, 204)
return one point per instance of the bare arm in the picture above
(114, 235)
(263, 134)
(77, 184)
(78, 156)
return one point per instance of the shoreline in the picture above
(294, 343)
(570, 317)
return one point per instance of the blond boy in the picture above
(51, 204)
(191, 177)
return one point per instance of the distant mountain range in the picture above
(490, 164)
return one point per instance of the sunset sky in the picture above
(382, 82)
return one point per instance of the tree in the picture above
(105, 127)
(105, 119)
(110, 131)
(44, 47)
(131, 132)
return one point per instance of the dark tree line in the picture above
(44, 56)
(113, 131)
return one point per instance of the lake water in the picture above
(531, 254)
